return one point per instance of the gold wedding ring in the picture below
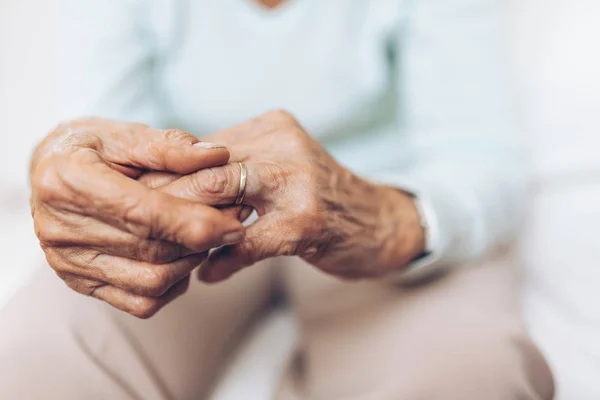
(242, 189)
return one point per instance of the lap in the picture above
(61, 345)
(38, 353)
(458, 334)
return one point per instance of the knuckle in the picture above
(57, 177)
(139, 218)
(91, 260)
(144, 307)
(296, 138)
(212, 181)
(46, 183)
(153, 154)
(276, 179)
(65, 276)
(281, 123)
(55, 261)
(80, 156)
(202, 235)
(77, 133)
(157, 280)
(81, 286)
(49, 233)
(73, 283)
(177, 136)
(39, 227)
(279, 115)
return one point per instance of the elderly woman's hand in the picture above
(107, 234)
(308, 205)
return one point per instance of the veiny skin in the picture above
(308, 205)
(124, 212)
(110, 236)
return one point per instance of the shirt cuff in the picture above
(440, 221)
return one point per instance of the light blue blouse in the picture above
(411, 93)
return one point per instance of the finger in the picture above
(171, 150)
(245, 213)
(269, 236)
(156, 179)
(67, 230)
(221, 185)
(136, 305)
(240, 212)
(160, 179)
(137, 277)
(95, 190)
(104, 238)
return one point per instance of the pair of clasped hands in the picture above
(125, 212)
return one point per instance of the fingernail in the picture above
(232, 238)
(208, 145)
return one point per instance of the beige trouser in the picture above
(458, 336)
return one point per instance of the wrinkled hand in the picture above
(110, 236)
(308, 205)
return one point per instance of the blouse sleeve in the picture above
(106, 62)
(467, 160)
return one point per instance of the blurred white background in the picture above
(26, 113)
(557, 59)
(556, 54)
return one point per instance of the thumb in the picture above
(270, 236)
(169, 150)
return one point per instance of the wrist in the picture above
(401, 229)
